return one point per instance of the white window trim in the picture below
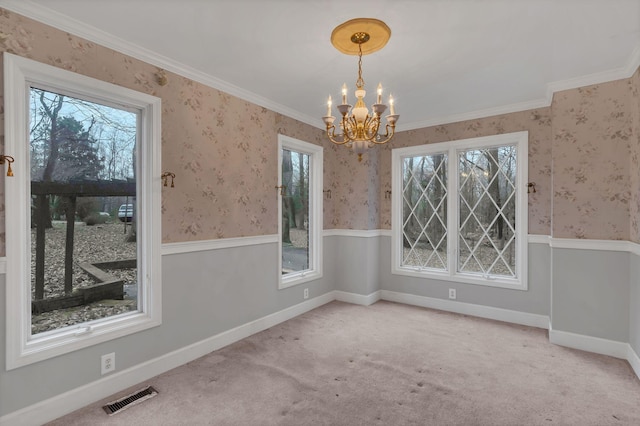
(315, 153)
(22, 348)
(451, 149)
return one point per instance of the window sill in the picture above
(49, 345)
(500, 282)
(297, 278)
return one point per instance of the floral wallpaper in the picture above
(354, 202)
(537, 122)
(592, 131)
(584, 156)
(584, 151)
(222, 149)
(634, 205)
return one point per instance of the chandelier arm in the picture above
(372, 125)
(381, 142)
(367, 129)
(387, 136)
(350, 129)
(331, 134)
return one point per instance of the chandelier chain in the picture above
(360, 81)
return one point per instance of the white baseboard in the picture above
(590, 344)
(634, 360)
(357, 299)
(516, 317)
(72, 400)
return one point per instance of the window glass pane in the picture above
(295, 212)
(487, 197)
(83, 211)
(424, 211)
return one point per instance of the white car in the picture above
(125, 213)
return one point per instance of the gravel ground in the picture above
(92, 244)
(298, 237)
(96, 243)
(486, 255)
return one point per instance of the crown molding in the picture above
(473, 115)
(634, 62)
(62, 22)
(557, 86)
(597, 78)
(50, 17)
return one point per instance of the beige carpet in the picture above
(387, 364)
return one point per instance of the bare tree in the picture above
(288, 219)
(51, 109)
(493, 168)
(303, 190)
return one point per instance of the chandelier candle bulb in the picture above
(329, 107)
(392, 109)
(344, 94)
(379, 101)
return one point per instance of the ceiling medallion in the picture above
(360, 129)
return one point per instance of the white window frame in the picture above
(315, 153)
(452, 148)
(22, 348)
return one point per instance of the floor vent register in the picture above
(129, 400)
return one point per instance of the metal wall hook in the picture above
(327, 192)
(165, 177)
(9, 159)
(282, 189)
(531, 185)
(387, 194)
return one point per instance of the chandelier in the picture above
(359, 130)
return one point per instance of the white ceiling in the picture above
(447, 60)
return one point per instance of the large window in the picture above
(460, 210)
(300, 211)
(82, 211)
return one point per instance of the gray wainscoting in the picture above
(535, 300)
(590, 293)
(356, 262)
(204, 293)
(634, 303)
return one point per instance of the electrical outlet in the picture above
(108, 363)
(452, 293)
(306, 293)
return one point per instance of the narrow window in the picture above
(83, 244)
(424, 211)
(300, 211)
(487, 209)
(460, 210)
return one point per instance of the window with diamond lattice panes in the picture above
(459, 211)
(487, 209)
(424, 219)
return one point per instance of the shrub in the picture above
(94, 219)
(86, 206)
